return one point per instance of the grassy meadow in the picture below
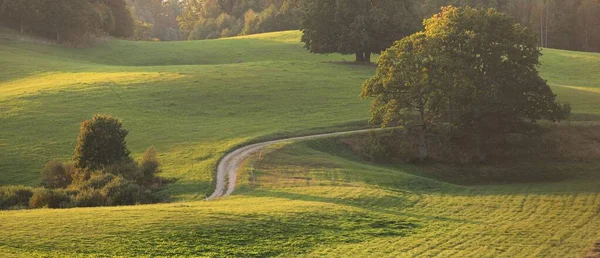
(196, 100)
(192, 100)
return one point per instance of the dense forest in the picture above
(573, 24)
(72, 21)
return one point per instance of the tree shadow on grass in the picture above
(266, 235)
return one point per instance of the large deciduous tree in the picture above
(473, 69)
(356, 26)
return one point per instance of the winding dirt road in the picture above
(230, 164)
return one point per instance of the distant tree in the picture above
(101, 143)
(473, 69)
(356, 27)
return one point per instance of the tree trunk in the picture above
(22, 27)
(542, 26)
(360, 58)
(367, 57)
(57, 36)
(546, 25)
(422, 145)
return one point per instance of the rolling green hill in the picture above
(196, 100)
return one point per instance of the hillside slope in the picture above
(196, 100)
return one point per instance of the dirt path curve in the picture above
(230, 164)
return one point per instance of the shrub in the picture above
(90, 198)
(56, 174)
(121, 191)
(96, 181)
(101, 143)
(149, 167)
(127, 169)
(15, 197)
(45, 198)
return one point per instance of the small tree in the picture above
(101, 143)
(473, 69)
(56, 174)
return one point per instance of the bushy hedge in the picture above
(50, 198)
(15, 197)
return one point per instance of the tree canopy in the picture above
(474, 69)
(101, 143)
(356, 27)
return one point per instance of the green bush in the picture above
(96, 181)
(121, 191)
(56, 174)
(90, 198)
(45, 198)
(15, 197)
(127, 169)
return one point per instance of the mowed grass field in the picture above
(196, 100)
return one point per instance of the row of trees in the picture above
(347, 27)
(68, 20)
(207, 19)
(573, 24)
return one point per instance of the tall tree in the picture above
(474, 69)
(101, 143)
(356, 27)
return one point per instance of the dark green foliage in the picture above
(101, 143)
(127, 169)
(120, 191)
(473, 70)
(90, 198)
(356, 27)
(15, 197)
(96, 181)
(46, 198)
(68, 21)
(56, 174)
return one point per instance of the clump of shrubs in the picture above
(15, 197)
(102, 174)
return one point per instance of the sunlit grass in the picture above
(194, 101)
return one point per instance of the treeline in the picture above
(573, 24)
(71, 21)
(563, 24)
(208, 19)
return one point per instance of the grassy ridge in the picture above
(195, 100)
